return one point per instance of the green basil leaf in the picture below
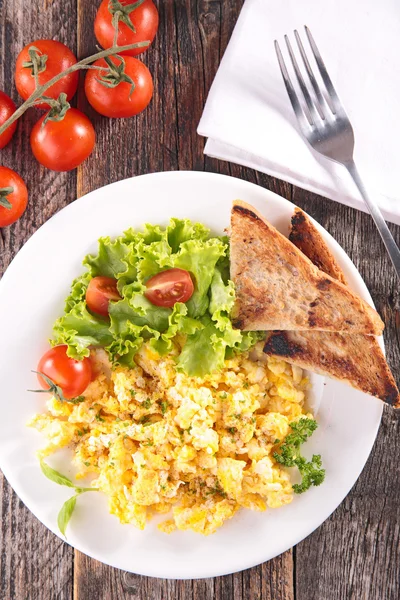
(55, 476)
(65, 513)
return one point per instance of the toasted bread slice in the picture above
(307, 238)
(277, 287)
(355, 359)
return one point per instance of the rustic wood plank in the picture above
(34, 563)
(357, 549)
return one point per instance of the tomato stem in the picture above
(123, 11)
(115, 24)
(4, 192)
(83, 64)
(37, 64)
(58, 108)
(52, 389)
(116, 74)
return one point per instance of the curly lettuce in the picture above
(203, 323)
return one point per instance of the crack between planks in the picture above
(294, 570)
(176, 86)
(203, 67)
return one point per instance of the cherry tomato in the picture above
(120, 101)
(168, 287)
(59, 58)
(18, 197)
(99, 293)
(63, 145)
(72, 376)
(7, 108)
(144, 19)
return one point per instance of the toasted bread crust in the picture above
(277, 287)
(355, 359)
(306, 237)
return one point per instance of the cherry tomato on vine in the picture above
(63, 145)
(168, 287)
(7, 108)
(127, 98)
(72, 376)
(99, 293)
(59, 58)
(13, 196)
(143, 18)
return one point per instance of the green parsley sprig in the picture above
(311, 471)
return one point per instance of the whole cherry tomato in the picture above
(143, 19)
(72, 376)
(126, 99)
(59, 58)
(63, 145)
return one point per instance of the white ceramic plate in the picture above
(31, 297)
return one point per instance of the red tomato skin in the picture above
(59, 59)
(99, 293)
(18, 198)
(169, 287)
(63, 145)
(7, 108)
(144, 19)
(119, 101)
(72, 376)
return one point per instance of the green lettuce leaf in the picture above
(128, 315)
(79, 329)
(113, 259)
(78, 292)
(199, 258)
(203, 323)
(153, 258)
(203, 352)
(183, 230)
(178, 322)
(222, 296)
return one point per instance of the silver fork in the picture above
(327, 128)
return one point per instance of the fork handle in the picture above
(377, 216)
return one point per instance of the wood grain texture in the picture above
(34, 564)
(356, 553)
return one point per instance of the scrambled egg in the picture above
(158, 441)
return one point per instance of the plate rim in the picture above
(337, 250)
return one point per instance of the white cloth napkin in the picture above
(248, 118)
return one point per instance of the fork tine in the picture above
(321, 101)
(324, 73)
(303, 119)
(306, 93)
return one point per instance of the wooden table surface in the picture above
(355, 554)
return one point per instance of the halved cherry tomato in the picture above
(12, 191)
(99, 293)
(121, 100)
(63, 145)
(59, 58)
(144, 19)
(72, 376)
(168, 287)
(7, 108)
